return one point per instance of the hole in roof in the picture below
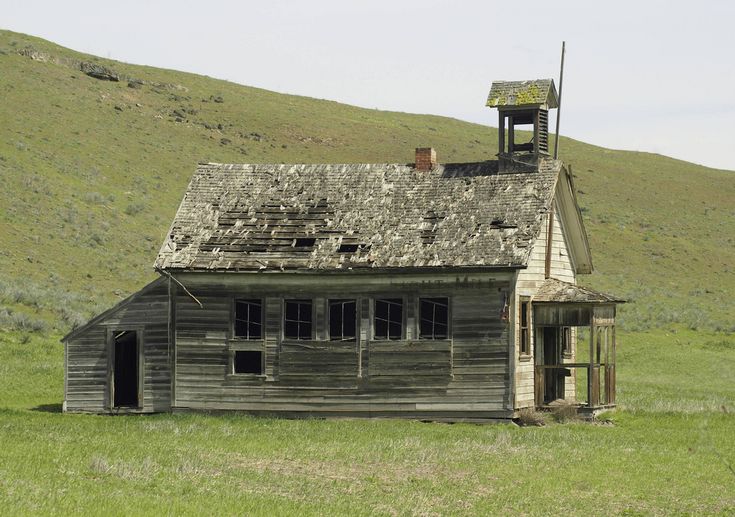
(352, 248)
(500, 223)
(347, 248)
(304, 242)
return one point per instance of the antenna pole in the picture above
(558, 111)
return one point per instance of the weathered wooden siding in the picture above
(528, 282)
(87, 361)
(466, 376)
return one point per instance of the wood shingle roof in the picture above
(349, 216)
(535, 92)
(558, 291)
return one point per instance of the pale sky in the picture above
(649, 75)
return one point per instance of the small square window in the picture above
(434, 318)
(388, 318)
(342, 320)
(248, 361)
(249, 319)
(297, 323)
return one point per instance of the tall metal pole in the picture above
(558, 111)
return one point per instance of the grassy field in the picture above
(669, 450)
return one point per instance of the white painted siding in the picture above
(528, 282)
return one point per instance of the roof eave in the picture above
(356, 270)
(569, 208)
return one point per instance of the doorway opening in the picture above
(125, 373)
(553, 377)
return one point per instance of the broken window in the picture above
(433, 318)
(525, 331)
(249, 319)
(388, 318)
(342, 320)
(297, 322)
(248, 361)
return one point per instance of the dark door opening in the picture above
(126, 369)
(553, 377)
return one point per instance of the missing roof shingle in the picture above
(353, 248)
(429, 226)
(499, 223)
(304, 242)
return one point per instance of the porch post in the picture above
(593, 398)
(611, 381)
(592, 358)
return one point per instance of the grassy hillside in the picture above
(93, 171)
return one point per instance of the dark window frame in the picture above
(342, 302)
(298, 321)
(389, 336)
(524, 326)
(247, 336)
(435, 301)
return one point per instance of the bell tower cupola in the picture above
(522, 105)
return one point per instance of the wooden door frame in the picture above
(540, 360)
(111, 331)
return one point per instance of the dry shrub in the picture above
(564, 411)
(530, 417)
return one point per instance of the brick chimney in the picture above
(425, 158)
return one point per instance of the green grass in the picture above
(667, 451)
(89, 190)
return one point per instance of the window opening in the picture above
(433, 318)
(248, 361)
(525, 331)
(388, 318)
(342, 320)
(249, 319)
(566, 341)
(297, 319)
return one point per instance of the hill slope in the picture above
(93, 171)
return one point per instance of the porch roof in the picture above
(557, 291)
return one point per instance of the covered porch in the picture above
(563, 362)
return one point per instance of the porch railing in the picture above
(598, 394)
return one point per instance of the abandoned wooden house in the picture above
(426, 290)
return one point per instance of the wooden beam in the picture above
(549, 242)
(172, 293)
(501, 133)
(511, 134)
(591, 363)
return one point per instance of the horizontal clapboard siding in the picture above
(529, 280)
(87, 361)
(465, 376)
